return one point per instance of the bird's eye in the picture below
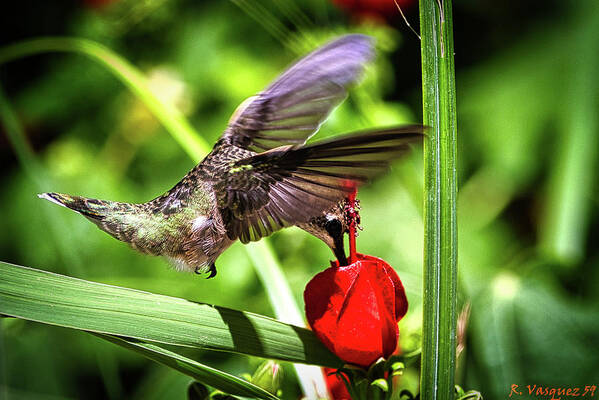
(333, 227)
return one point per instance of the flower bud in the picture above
(268, 376)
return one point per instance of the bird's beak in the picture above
(339, 250)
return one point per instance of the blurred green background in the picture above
(528, 97)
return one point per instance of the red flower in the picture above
(354, 309)
(378, 10)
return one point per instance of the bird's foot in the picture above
(212, 271)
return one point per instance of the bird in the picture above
(261, 174)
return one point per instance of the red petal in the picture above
(324, 297)
(401, 301)
(359, 337)
(386, 300)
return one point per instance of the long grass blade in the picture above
(202, 373)
(574, 172)
(74, 303)
(440, 240)
(310, 377)
(168, 115)
(35, 172)
(256, 11)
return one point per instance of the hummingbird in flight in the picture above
(261, 175)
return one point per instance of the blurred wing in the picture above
(288, 185)
(292, 108)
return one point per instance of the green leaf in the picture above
(469, 395)
(397, 368)
(60, 300)
(440, 226)
(202, 373)
(381, 384)
(377, 369)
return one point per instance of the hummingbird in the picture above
(261, 175)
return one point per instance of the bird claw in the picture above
(212, 271)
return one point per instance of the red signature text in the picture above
(553, 393)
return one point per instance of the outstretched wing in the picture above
(292, 108)
(289, 185)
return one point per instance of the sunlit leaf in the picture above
(60, 300)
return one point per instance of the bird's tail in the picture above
(122, 221)
(96, 210)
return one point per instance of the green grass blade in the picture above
(60, 300)
(270, 23)
(311, 378)
(200, 372)
(574, 170)
(36, 173)
(168, 115)
(279, 294)
(440, 241)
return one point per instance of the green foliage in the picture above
(380, 381)
(528, 207)
(460, 394)
(109, 311)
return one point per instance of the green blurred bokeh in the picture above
(528, 95)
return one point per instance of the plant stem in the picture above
(440, 233)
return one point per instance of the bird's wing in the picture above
(292, 108)
(289, 185)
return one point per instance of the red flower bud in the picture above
(354, 309)
(335, 385)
